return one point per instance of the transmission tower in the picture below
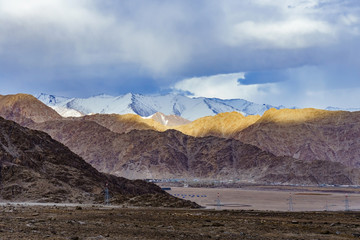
(218, 202)
(291, 204)
(347, 203)
(1, 178)
(107, 197)
(326, 206)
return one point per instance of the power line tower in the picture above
(326, 206)
(1, 187)
(107, 197)
(218, 202)
(347, 203)
(291, 204)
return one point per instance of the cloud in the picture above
(78, 33)
(294, 33)
(224, 86)
(145, 46)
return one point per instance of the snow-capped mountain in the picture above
(342, 109)
(147, 105)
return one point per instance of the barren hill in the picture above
(171, 154)
(221, 125)
(124, 123)
(34, 167)
(307, 134)
(110, 143)
(25, 108)
(169, 120)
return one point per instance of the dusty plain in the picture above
(273, 198)
(257, 213)
(94, 222)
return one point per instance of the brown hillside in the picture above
(221, 125)
(25, 108)
(169, 120)
(34, 167)
(308, 134)
(124, 123)
(171, 154)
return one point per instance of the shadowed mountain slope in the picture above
(307, 134)
(34, 167)
(171, 154)
(124, 123)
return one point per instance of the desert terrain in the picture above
(111, 222)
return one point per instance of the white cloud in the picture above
(295, 33)
(111, 41)
(225, 86)
(284, 24)
(77, 32)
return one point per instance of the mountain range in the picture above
(36, 168)
(145, 106)
(303, 146)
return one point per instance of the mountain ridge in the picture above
(147, 105)
(172, 154)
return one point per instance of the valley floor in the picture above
(95, 222)
(273, 198)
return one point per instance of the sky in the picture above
(302, 53)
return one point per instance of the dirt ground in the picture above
(94, 222)
(265, 198)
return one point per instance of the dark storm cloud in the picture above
(91, 46)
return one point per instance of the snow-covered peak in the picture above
(147, 105)
(52, 100)
(66, 112)
(168, 120)
(342, 109)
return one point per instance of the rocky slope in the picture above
(124, 123)
(171, 154)
(225, 125)
(308, 134)
(34, 167)
(169, 120)
(25, 108)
